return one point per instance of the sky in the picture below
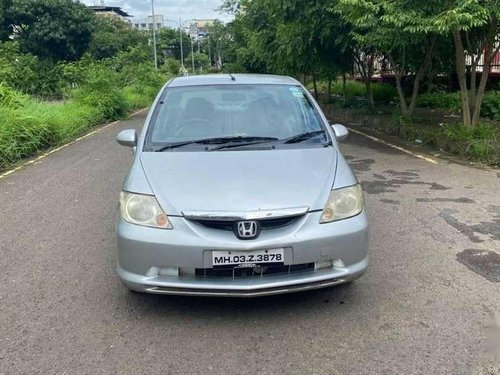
(170, 9)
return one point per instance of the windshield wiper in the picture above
(247, 141)
(218, 140)
(303, 137)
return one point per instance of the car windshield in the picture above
(257, 113)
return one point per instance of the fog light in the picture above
(337, 263)
(169, 271)
(323, 264)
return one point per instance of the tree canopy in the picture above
(111, 35)
(54, 29)
(415, 40)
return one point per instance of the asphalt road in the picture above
(426, 305)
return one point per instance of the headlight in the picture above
(143, 210)
(343, 203)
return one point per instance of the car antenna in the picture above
(232, 77)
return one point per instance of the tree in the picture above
(299, 38)
(5, 24)
(219, 43)
(475, 28)
(111, 35)
(381, 30)
(52, 29)
(201, 63)
(170, 44)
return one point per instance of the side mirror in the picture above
(127, 138)
(340, 131)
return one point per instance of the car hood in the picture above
(240, 180)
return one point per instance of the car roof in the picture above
(226, 79)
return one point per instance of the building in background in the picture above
(108, 11)
(147, 24)
(198, 28)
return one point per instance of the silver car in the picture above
(238, 188)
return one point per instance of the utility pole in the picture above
(192, 54)
(182, 51)
(209, 54)
(154, 32)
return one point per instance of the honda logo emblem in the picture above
(247, 230)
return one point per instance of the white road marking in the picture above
(419, 156)
(44, 155)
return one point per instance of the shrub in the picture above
(102, 91)
(352, 89)
(491, 105)
(11, 98)
(481, 149)
(480, 142)
(173, 66)
(21, 134)
(29, 74)
(465, 133)
(383, 93)
(94, 92)
(450, 101)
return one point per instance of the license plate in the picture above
(235, 258)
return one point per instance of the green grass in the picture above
(480, 143)
(490, 107)
(29, 126)
(439, 100)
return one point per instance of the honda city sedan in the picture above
(238, 188)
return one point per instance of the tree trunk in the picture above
(414, 94)
(368, 83)
(398, 75)
(315, 85)
(366, 73)
(462, 77)
(430, 79)
(480, 94)
(401, 95)
(472, 88)
(408, 109)
(490, 52)
(344, 86)
(473, 68)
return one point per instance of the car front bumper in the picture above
(143, 252)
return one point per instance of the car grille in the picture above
(257, 271)
(264, 224)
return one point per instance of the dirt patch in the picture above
(390, 186)
(390, 201)
(361, 165)
(483, 262)
(488, 228)
(399, 174)
(454, 200)
(379, 176)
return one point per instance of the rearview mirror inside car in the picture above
(127, 137)
(341, 132)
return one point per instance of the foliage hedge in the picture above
(382, 93)
(480, 143)
(93, 92)
(451, 101)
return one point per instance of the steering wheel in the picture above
(194, 124)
